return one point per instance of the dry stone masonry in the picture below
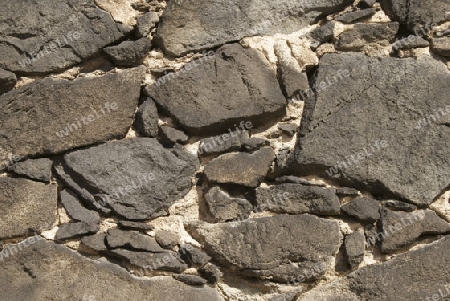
(172, 150)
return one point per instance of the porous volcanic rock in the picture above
(129, 53)
(362, 34)
(116, 238)
(363, 208)
(226, 208)
(36, 169)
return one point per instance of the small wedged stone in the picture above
(72, 230)
(297, 180)
(293, 80)
(351, 17)
(145, 23)
(399, 205)
(7, 80)
(346, 191)
(193, 256)
(117, 238)
(35, 169)
(211, 272)
(363, 208)
(225, 208)
(76, 210)
(363, 34)
(167, 239)
(441, 46)
(240, 168)
(128, 225)
(324, 33)
(129, 53)
(95, 242)
(411, 41)
(289, 129)
(190, 279)
(229, 142)
(146, 122)
(172, 135)
(354, 248)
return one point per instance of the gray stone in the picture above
(72, 230)
(346, 191)
(351, 17)
(289, 129)
(173, 135)
(147, 119)
(129, 53)
(292, 81)
(399, 205)
(57, 115)
(240, 168)
(265, 243)
(46, 270)
(211, 272)
(367, 123)
(76, 210)
(193, 256)
(116, 238)
(363, 208)
(441, 46)
(366, 3)
(26, 206)
(362, 34)
(293, 274)
(225, 208)
(296, 198)
(402, 228)
(134, 226)
(95, 242)
(146, 23)
(35, 169)
(231, 87)
(297, 180)
(196, 25)
(411, 41)
(190, 279)
(7, 80)
(39, 37)
(232, 141)
(382, 281)
(137, 179)
(167, 239)
(324, 33)
(354, 248)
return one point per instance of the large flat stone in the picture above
(375, 132)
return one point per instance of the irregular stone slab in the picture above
(39, 37)
(130, 239)
(225, 208)
(255, 244)
(354, 248)
(134, 226)
(167, 239)
(193, 256)
(71, 230)
(441, 46)
(129, 53)
(26, 205)
(382, 281)
(351, 17)
(234, 141)
(7, 80)
(289, 129)
(190, 279)
(36, 169)
(362, 34)
(68, 114)
(146, 23)
(292, 274)
(240, 168)
(76, 210)
(411, 41)
(95, 242)
(398, 205)
(211, 273)
(137, 179)
(196, 25)
(366, 3)
(346, 191)
(173, 135)
(235, 74)
(363, 208)
(147, 119)
(296, 198)
(43, 281)
(368, 123)
(323, 33)
(403, 228)
(297, 180)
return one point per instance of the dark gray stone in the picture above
(441, 46)
(225, 208)
(146, 23)
(399, 205)
(367, 123)
(26, 206)
(366, 3)
(7, 80)
(292, 81)
(167, 239)
(138, 179)
(363, 208)
(95, 242)
(45, 270)
(193, 256)
(296, 198)
(39, 37)
(402, 228)
(134, 226)
(351, 17)
(354, 248)
(362, 34)
(76, 210)
(73, 230)
(235, 74)
(324, 33)
(196, 25)
(57, 115)
(411, 41)
(129, 53)
(240, 168)
(232, 141)
(134, 240)
(211, 272)
(36, 169)
(289, 129)
(173, 135)
(190, 279)
(346, 191)
(147, 119)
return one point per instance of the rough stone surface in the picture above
(211, 272)
(129, 53)
(35, 169)
(129, 239)
(167, 239)
(362, 34)
(240, 168)
(147, 119)
(399, 205)
(26, 206)
(71, 230)
(382, 108)
(43, 31)
(324, 33)
(225, 208)
(346, 191)
(403, 228)
(292, 77)
(354, 248)
(288, 128)
(134, 226)
(58, 115)
(76, 210)
(46, 262)
(296, 198)
(351, 17)
(367, 3)
(7, 80)
(239, 76)
(190, 279)
(95, 242)
(363, 208)
(194, 256)
(196, 25)
(173, 135)
(441, 46)
(232, 141)
(297, 180)
(146, 23)
(411, 41)
(140, 188)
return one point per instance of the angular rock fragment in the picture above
(297, 180)
(288, 128)
(363, 137)
(39, 37)
(137, 179)
(403, 228)
(173, 135)
(211, 272)
(26, 206)
(147, 119)
(293, 274)
(362, 34)
(200, 25)
(296, 198)
(351, 17)
(39, 267)
(146, 23)
(225, 208)
(36, 169)
(240, 168)
(398, 205)
(411, 41)
(346, 191)
(232, 88)
(95, 242)
(7, 81)
(363, 208)
(194, 256)
(354, 248)
(366, 3)
(129, 53)
(324, 33)
(76, 210)
(57, 115)
(190, 279)
(254, 245)
(130, 239)
(134, 226)
(71, 230)
(167, 239)
(234, 141)
(441, 46)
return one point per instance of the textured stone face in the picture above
(377, 133)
